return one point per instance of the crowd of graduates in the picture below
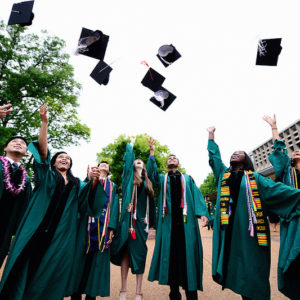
(60, 234)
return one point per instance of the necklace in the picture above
(9, 185)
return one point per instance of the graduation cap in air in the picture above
(268, 51)
(21, 13)
(92, 43)
(153, 80)
(101, 73)
(168, 54)
(163, 98)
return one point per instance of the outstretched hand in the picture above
(211, 129)
(271, 121)
(151, 143)
(132, 140)
(43, 113)
(4, 111)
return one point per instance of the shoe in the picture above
(138, 297)
(122, 295)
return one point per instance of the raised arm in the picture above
(5, 110)
(152, 169)
(128, 161)
(43, 137)
(273, 124)
(214, 154)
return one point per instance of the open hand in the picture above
(5, 110)
(111, 236)
(94, 172)
(43, 113)
(151, 143)
(271, 121)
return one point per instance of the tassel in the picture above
(133, 234)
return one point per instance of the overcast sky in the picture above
(216, 80)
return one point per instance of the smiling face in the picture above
(104, 167)
(138, 164)
(16, 146)
(62, 162)
(296, 155)
(238, 157)
(172, 162)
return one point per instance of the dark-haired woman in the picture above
(137, 213)
(287, 171)
(41, 256)
(91, 269)
(241, 237)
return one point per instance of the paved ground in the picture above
(212, 291)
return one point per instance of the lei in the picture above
(9, 185)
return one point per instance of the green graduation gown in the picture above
(97, 277)
(248, 263)
(12, 209)
(288, 282)
(51, 276)
(124, 243)
(196, 207)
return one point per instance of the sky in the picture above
(216, 80)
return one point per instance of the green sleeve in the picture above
(91, 200)
(277, 197)
(280, 160)
(115, 209)
(128, 161)
(40, 168)
(215, 160)
(152, 171)
(199, 202)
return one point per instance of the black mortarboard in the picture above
(92, 43)
(153, 80)
(163, 98)
(168, 54)
(21, 13)
(101, 73)
(268, 51)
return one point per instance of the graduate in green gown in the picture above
(91, 270)
(241, 237)
(137, 215)
(211, 212)
(178, 257)
(15, 188)
(287, 171)
(41, 256)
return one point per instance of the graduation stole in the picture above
(293, 177)
(183, 204)
(257, 222)
(209, 207)
(132, 208)
(103, 221)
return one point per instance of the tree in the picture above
(114, 152)
(209, 185)
(35, 70)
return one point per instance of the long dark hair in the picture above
(248, 164)
(138, 180)
(58, 176)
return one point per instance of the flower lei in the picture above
(9, 185)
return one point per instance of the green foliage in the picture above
(35, 70)
(209, 185)
(114, 153)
